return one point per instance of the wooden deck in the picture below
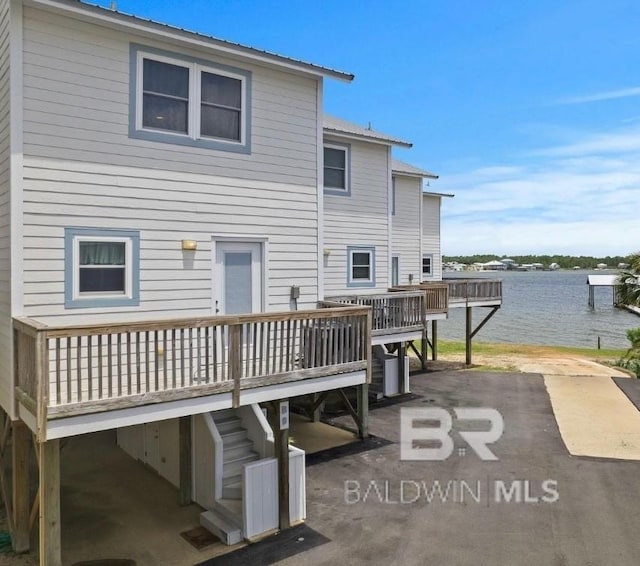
(397, 311)
(470, 292)
(63, 371)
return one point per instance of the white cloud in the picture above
(580, 198)
(597, 97)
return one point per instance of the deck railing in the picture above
(391, 313)
(436, 296)
(469, 290)
(66, 370)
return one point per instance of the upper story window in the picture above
(175, 99)
(101, 267)
(336, 169)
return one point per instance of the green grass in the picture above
(448, 347)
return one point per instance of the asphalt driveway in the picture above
(534, 505)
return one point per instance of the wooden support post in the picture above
(363, 410)
(317, 406)
(468, 336)
(185, 460)
(20, 450)
(281, 438)
(434, 340)
(50, 551)
(424, 348)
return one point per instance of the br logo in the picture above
(425, 433)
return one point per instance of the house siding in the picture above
(406, 228)
(431, 234)
(83, 170)
(6, 389)
(360, 219)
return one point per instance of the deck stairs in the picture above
(224, 519)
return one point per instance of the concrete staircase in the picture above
(225, 518)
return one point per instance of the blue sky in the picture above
(528, 111)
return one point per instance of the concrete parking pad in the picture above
(594, 520)
(594, 416)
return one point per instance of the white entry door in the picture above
(238, 278)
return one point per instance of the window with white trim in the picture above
(336, 169)
(101, 267)
(189, 102)
(427, 266)
(361, 266)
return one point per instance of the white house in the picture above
(188, 239)
(162, 237)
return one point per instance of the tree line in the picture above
(564, 261)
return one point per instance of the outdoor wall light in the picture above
(189, 245)
(326, 251)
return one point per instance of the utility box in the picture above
(392, 385)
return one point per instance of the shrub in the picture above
(631, 360)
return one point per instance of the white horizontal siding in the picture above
(77, 108)
(83, 170)
(431, 233)
(360, 219)
(406, 229)
(169, 284)
(6, 381)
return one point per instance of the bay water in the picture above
(546, 308)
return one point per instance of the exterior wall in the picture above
(406, 228)
(83, 170)
(6, 389)
(431, 234)
(360, 219)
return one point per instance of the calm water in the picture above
(546, 307)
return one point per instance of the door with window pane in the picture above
(239, 275)
(395, 270)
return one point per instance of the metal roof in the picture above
(117, 16)
(435, 194)
(406, 168)
(602, 280)
(333, 125)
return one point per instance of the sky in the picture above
(528, 111)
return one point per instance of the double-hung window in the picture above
(101, 268)
(361, 266)
(189, 102)
(427, 266)
(336, 169)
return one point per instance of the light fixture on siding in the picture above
(326, 251)
(189, 245)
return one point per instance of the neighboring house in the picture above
(410, 211)
(357, 208)
(373, 241)
(151, 179)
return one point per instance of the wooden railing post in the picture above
(42, 383)
(367, 347)
(235, 365)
